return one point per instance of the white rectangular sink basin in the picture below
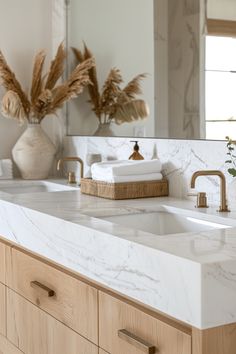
(16, 187)
(164, 222)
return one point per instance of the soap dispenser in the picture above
(136, 155)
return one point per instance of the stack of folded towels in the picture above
(121, 171)
(6, 169)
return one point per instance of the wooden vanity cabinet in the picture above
(2, 310)
(45, 309)
(124, 329)
(2, 292)
(101, 351)
(73, 302)
(2, 263)
(34, 331)
(219, 340)
(8, 348)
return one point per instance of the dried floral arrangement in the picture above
(113, 103)
(46, 97)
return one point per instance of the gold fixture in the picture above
(201, 199)
(223, 201)
(71, 175)
(137, 342)
(71, 178)
(43, 288)
(136, 155)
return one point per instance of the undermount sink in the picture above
(164, 222)
(16, 187)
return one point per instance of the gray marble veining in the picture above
(175, 274)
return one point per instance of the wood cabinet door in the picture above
(74, 303)
(35, 332)
(2, 309)
(7, 348)
(2, 263)
(124, 329)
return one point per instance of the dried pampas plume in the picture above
(45, 97)
(131, 111)
(56, 68)
(37, 81)
(114, 103)
(10, 83)
(12, 106)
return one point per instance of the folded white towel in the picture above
(6, 168)
(125, 168)
(130, 178)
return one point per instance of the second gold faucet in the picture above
(223, 201)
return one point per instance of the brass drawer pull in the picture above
(38, 286)
(136, 341)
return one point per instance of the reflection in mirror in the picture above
(188, 49)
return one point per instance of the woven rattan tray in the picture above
(129, 190)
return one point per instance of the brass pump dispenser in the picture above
(136, 155)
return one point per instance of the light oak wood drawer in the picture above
(7, 348)
(124, 329)
(2, 310)
(74, 303)
(101, 351)
(2, 262)
(34, 331)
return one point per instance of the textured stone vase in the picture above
(33, 153)
(104, 129)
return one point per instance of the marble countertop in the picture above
(190, 276)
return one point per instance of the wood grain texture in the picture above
(101, 351)
(2, 309)
(221, 28)
(2, 263)
(220, 340)
(116, 315)
(8, 348)
(35, 332)
(75, 303)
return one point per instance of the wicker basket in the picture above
(129, 190)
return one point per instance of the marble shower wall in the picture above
(180, 159)
(179, 65)
(185, 46)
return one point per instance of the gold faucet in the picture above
(223, 201)
(71, 175)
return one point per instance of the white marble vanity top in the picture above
(190, 276)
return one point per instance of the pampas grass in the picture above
(10, 83)
(46, 97)
(113, 103)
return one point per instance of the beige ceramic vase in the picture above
(104, 129)
(34, 153)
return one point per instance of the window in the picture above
(220, 87)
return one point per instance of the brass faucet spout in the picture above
(61, 162)
(223, 200)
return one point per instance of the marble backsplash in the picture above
(180, 159)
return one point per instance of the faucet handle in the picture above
(201, 199)
(72, 178)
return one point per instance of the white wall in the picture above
(222, 9)
(25, 27)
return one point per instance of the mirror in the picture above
(186, 47)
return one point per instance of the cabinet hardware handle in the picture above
(38, 286)
(136, 341)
